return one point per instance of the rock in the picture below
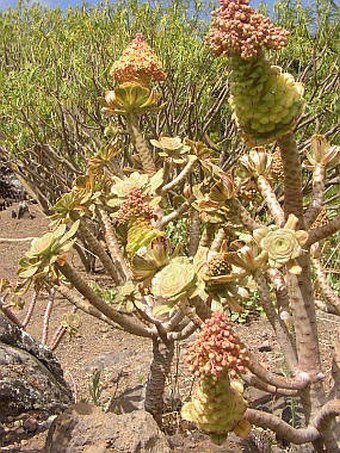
(85, 428)
(265, 347)
(130, 400)
(32, 387)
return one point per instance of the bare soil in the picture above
(123, 360)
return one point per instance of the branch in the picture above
(9, 313)
(96, 247)
(180, 177)
(329, 411)
(323, 231)
(244, 215)
(254, 381)
(281, 428)
(140, 144)
(315, 206)
(175, 214)
(271, 200)
(112, 243)
(293, 196)
(281, 290)
(83, 304)
(278, 325)
(125, 322)
(217, 242)
(47, 316)
(194, 234)
(299, 382)
(186, 332)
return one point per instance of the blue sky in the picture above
(65, 3)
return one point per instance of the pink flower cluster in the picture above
(138, 63)
(217, 349)
(134, 207)
(237, 29)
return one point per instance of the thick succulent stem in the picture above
(95, 247)
(281, 290)
(175, 214)
(313, 210)
(280, 328)
(163, 354)
(140, 144)
(9, 313)
(299, 382)
(280, 427)
(184, 333)
(113, 246)
(125, 322)
(293, 196)
(83, 304)
(47, 316)
(254, 381)
(243, 215)
(324, 231)
(194, 235)
(299, 286)
(218, 240)
(271, 200)
(31, 308)
(208, 235)
(180, 177)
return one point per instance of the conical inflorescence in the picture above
(265, 101)
(138, 64)
(217, 406)
(136, 213)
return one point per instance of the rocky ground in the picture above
(120, 361)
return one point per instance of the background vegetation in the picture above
(54, 65)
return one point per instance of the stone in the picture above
(86, 428)
(32, 387)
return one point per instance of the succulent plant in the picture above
(226, 291)
(198, 149)
(256, 162)
(248, 256)
(131, 98)
(140, 234)
(213, 193)
(322, 153)
(128, 298)
(266, 103)
(102, 159)
(71, 322)
(134, 207)
(282, 245)
(175, 281)
(217, 350)
(122, 186)
(238, 30)
(138, 63)
(171, 147)
(47, 250)
(67, 205)
(218, 408)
